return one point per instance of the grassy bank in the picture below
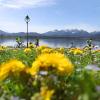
(44, 73)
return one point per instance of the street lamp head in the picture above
(27, 19)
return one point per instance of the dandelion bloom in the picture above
(76, 51)
(40, 48)
(27, 50)
(31, 45)
(52, 61)
(47, 50)
(2, 48)
(46, 93)
(11, 66)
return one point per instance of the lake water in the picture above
(59, 42)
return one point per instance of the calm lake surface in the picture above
(59, 42)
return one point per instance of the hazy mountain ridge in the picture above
(55, 33)
(72, 33)
(2, 33)
(66, 33)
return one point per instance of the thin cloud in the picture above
(25, 3)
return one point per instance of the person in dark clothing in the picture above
(37, 42)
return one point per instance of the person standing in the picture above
(37, 42)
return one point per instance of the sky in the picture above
(47, 15)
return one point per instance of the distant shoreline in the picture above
(51, 37)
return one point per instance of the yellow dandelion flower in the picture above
(31, 45)
(61, 50)
(46, 93)
(27, 50)
(47, 50)
(35, 68)
(4, 71)
(98, 50)
(11, 66)
(40, 48)
(76, 51)
(54, 60)
(2, 48)
(95, 51)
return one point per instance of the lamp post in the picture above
(27, 19)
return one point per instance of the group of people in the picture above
(36, 42)
(20, 42)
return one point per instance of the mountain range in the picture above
(75, 33)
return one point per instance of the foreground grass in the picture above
(45, 73)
